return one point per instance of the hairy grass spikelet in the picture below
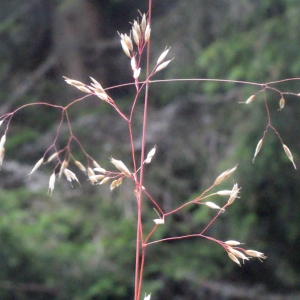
(70, 175)
(79, 85)
(234, 193)
(147, 33)
(143, 23)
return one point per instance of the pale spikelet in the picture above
(97, 86)
(250, 99)
(237, 253)
(163, 56)
(147, 33)
(90, 172)
(79, 85)
(147, 297)
(137, 29)
(133, 63)
(70, 175)
(257, 254)
(2, 141)
(95, 164)
(114, 184)
(159, 221)
(136, 73)
(234, 258)
(281, 103)
(1, 122)
(135, 35)
(232, 243)
(51, 157)
(104, 180)
(125, 49)
(91, 175)
(214, 206)
(100, 170)
(289, 155)
(2, 154)
(80, 166)
(258, 147)
(95, 178)
(51, 183)
(127, 41)
(234, 194)
(62, 168)
(37, 165)
(224, 193)
(150, 155)
(120, 166)
(163, 65)
(224, 175)
(102, 96)
(144, 23)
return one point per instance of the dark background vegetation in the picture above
(79, 244)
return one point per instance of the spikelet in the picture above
(163, 56)
(163, 65)
(281, 103)
(80, 166)
(234, 258)
(37, 165)
(51, 183)
(150, 155)
(51, 157)
(258, 147)
(289, 154)
(232, 243)
(120, 166)
(224, 175)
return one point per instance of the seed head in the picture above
(37, 165)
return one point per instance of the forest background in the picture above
(79, 243)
